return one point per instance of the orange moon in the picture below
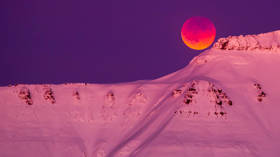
(198, 33)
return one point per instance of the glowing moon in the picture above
(198, 33)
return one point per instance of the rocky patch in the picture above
(249, 42)
(25, 95)
(260, 93)
(220, 99)
(203, 99)
(76, 95)
(190, 94)
(49, 95)
(110, 98)
(177, 92)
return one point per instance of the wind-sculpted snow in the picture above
(267, 41)
(220, 105)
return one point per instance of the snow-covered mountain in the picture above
(225, 103)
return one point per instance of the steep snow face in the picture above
(267, 41)
(224, 103)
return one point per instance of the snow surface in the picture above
(225, 103)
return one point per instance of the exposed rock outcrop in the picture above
(49, 95)
(25, 95)
(265, 41)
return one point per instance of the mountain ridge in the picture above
(264, 41)
(223, 103)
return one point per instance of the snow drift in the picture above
(225, 103)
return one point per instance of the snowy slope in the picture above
(225, 103)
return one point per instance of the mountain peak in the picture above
(265, 41)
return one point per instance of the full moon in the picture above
(198, 33)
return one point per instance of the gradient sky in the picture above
(95, 41)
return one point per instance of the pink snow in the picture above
(225, 103)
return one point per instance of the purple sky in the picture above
(96, 41)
